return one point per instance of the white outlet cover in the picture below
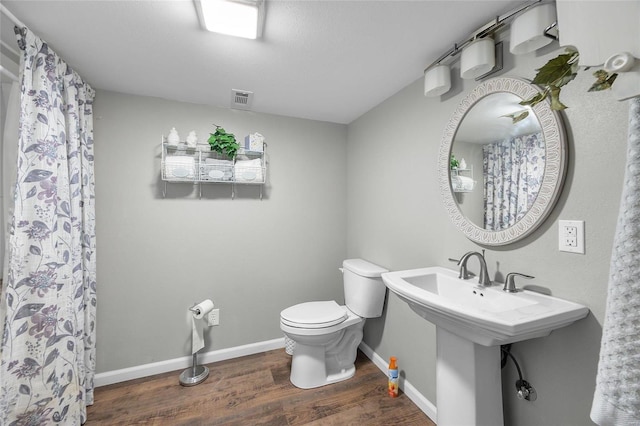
(213, 317)
(569, 242)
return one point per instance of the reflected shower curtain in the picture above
(48, 302)
(513, 170)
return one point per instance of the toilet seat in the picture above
(314, 315)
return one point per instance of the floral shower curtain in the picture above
(48, 303)
(513, 171)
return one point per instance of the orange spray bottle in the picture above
(393, 378)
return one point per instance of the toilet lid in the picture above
(314, 314)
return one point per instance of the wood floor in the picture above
(254, 390)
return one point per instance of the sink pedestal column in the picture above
(468, 382)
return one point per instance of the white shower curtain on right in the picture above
(616, 400)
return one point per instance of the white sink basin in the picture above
(484, 315)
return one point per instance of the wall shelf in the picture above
(462, 180)
(199, 165)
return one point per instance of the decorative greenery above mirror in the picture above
(559, 71)
(543, 129)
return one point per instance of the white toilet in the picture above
(327, 335)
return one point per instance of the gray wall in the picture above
(253, 258)
(396, 219)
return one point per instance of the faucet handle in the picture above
(464, 272)
(510, 281)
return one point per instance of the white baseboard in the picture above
(117, 376)
(414, 395)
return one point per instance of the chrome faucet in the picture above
(483, 276)
(510, 282)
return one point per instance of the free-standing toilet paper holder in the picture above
(195, 374)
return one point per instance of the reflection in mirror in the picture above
(507, 155)
(501, 165)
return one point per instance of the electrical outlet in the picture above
(213, 317)
(571, 236)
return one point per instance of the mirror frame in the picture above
(554, 170)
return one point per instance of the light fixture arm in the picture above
(546, 32)
(490, 28)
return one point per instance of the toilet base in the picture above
(309, 370)
(328, 360)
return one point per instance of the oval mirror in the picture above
(501, 165)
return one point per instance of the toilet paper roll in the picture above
(202, 308)
(197, 325)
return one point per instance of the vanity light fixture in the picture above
(478, 58)
(437, 80)
(531, 30)
(239, 18)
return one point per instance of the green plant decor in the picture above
(223, 142)
(454, 164)
(560, 71)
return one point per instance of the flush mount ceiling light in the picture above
(529, 31)
(478, 58)
(437, 80)
(240, 18)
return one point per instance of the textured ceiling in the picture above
(323, 60)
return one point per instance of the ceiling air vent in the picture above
(241, 99)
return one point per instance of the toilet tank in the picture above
(364, 290)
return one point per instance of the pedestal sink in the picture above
(472, 322)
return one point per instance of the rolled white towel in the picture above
(462, 183)
(216, 169)
(179, 166)
(249, 171)
(467, 183)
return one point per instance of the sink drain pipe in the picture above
(523, 388)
